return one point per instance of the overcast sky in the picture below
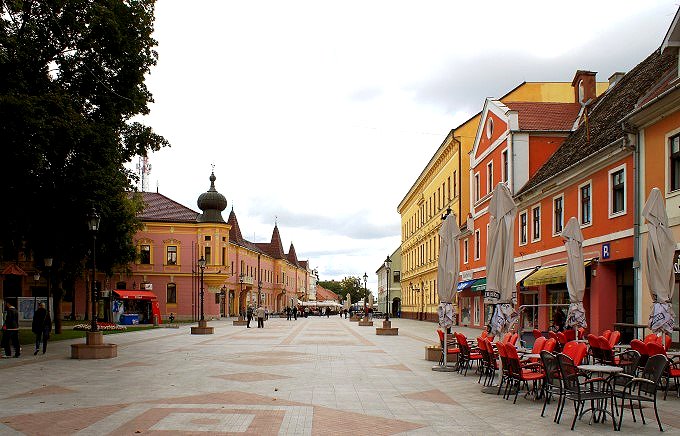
(321, 115)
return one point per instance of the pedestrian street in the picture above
(312, 376)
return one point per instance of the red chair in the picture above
(641, 348)
(652, 337)
(576, 350)
(606, 334)
(539, 343)
(671, 371)
(581, 332)
(513, 339)
(614, 338)
(484, 334)
(537, 333)
(595, 350)
(451, 349)
(506, 375)
(569, 335)
(506, 338)
(550, 345)
(521, 374)
(552, 334)
(608, 355)
(467, 355)
(669, 340)
(489, 363)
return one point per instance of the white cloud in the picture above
(324, 113)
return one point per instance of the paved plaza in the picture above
(310, 376)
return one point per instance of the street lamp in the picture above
(388, 264)
(201, 265)
(93, 225)
(365, 290)
(36, 278)
(48, 264)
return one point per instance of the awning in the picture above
(465, 284)
(523, 274)
(135, 295)
(479, 285)
(550, 275)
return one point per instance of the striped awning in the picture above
(465, 284)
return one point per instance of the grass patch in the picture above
(26, 336)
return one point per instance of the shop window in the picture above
(171, 293)
(172, 255)
(674, 170)
(145, 254)
(465, 311)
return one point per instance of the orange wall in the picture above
(655, 152)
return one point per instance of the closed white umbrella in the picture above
(659, 264)
(447, 269)
(576, 274)
(370, 300)
(348, 301)
(500, 264)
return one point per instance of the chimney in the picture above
(584, 86)
(614, 78)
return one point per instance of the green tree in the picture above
(71, 82)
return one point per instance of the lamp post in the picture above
(201, 265)
(36, 277)
(365, 289)
(48, 264)
(93, 224)
(388, 264)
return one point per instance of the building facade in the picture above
(395, 294)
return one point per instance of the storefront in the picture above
(135, 307)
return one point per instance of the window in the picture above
(536, 223)
(145, 254)
(558, 214)
(448, 187)
(206, 238)
(674, 144)
(455, 185)
(396, 276)
(477, 247)
(504, 165)
(465, 251)
(224, 256)
(489, 128)
(477, 188)
(489, 177)
(171, 255)
(585, 204)
(523, 228)
(617, 189)
(171, 293)
(206, 254)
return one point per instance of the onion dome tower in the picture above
(212, 203)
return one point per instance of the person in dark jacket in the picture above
(249, 315)
(42, 326)
(10, 332)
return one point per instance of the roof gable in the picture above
(545, 116)
(158, 207)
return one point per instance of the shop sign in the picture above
(676, 265)
(466, 275)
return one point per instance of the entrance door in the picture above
(625, 299)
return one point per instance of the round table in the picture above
(601, 369)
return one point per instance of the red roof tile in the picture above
(158, 207)
(323, 294)
(545, 116)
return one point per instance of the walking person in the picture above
(42, 326)
(260, 313)
(295, 312)
(10, 331)
(249, 315)
(328, 312)
(266, 314)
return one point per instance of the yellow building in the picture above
(445, 183)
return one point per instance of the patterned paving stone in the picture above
(251, 376)
(44, 390)
(432, 396)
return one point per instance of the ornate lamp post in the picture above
(93, 225)
(36, 278)
(201, 265)
(48, 264)
(365, 290)
(388, 264)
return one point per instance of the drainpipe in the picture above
(637, 276)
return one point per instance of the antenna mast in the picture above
(143, 170)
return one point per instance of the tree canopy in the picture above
(71, 82)
(352, 285)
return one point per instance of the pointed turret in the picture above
(292, 257)
(235, 235)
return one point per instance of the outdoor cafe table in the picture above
(602, 370)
